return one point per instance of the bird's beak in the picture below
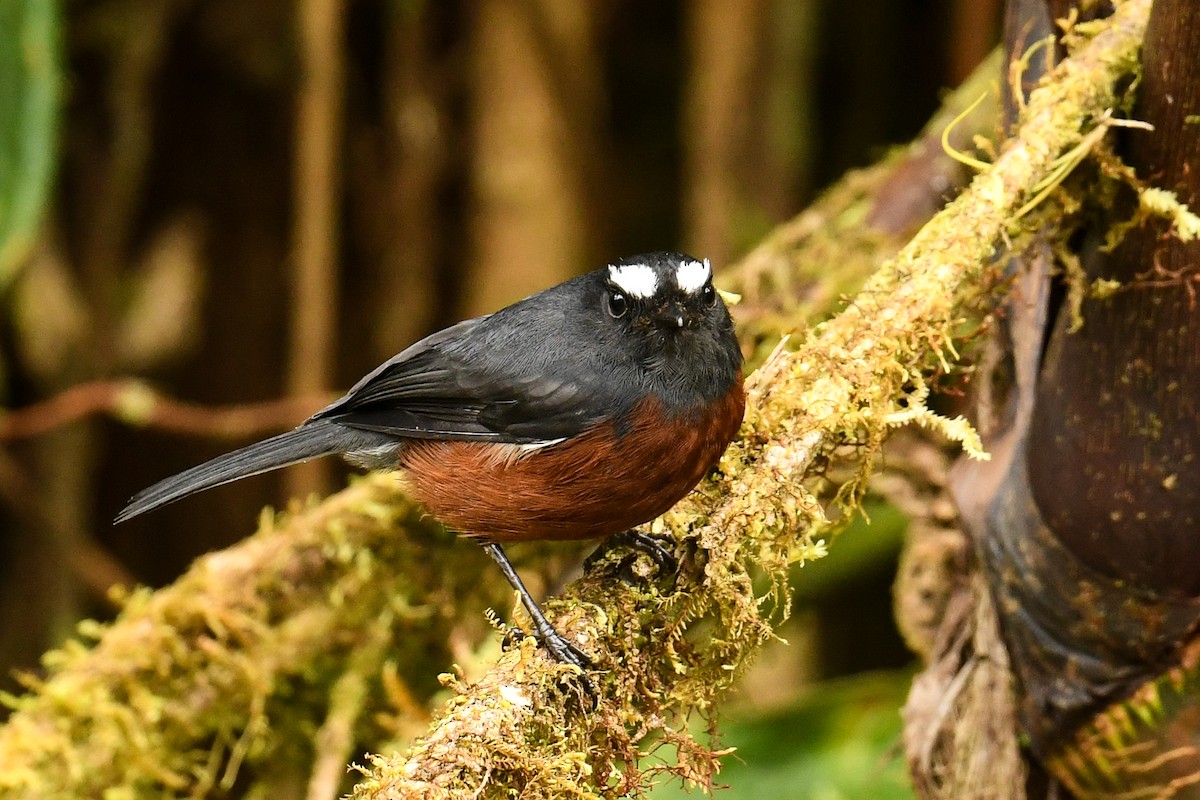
(671, 316)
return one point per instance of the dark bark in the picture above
(1086, 519)
(1114, 464)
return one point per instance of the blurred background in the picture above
(251, 204)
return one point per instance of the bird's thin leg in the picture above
(552, 640)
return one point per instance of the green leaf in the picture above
(29, 102)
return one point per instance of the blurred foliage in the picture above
(866, 547)
(29, 94)
(841, 741)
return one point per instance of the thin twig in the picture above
(137, 404)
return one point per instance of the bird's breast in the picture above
(591, 485)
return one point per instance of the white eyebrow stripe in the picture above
(692, 275)
(636, 280)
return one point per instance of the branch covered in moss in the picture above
(196, 679)
(671, 652)
(230, 665)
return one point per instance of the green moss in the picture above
(194, 682)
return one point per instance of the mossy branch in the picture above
(674, 653)
(200, 677)
(195, 679)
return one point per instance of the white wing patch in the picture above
(636, 280)
(506, 454)
(692, 275)
(529, 448)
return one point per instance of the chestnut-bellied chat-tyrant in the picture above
(576, 413)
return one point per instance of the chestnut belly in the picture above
(592, 485)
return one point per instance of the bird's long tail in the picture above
(311, 440)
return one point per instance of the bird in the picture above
(579, 412)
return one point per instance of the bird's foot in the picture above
(659, 547)
(561, 650)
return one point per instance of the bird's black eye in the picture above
(616, 304)
(709, 295)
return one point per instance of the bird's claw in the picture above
(659, 547)
(566, 653)
(562, 651)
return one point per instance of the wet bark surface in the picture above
(1086, 520)
(1113, 455)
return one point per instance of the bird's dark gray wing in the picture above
(441, 389)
